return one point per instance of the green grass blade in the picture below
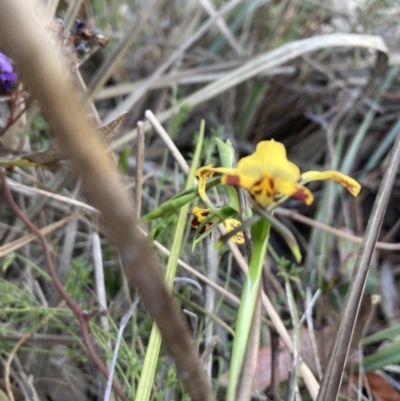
(150, 362)
(360, 135)
(382, 149)
(19, 162)
(260, 234)
(227, 157)
(179, 200)
(385, 334)
(388, 356)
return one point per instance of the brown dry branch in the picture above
(26, 41)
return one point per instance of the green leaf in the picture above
(123, 161)
(388, 356)
(19, 162)
(260, 234)
(385, 334)
(286, 234)
(178, 201)
(227, 157)
(7, 261)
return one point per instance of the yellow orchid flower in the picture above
(230, 224)
(267, 175)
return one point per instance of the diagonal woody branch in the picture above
(26, 41)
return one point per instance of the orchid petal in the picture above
(203, 173)
(294, 190)
(269, 157)
(349, 183)
(230, 225)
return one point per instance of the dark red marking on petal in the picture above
(300, 195)
(195, 222)
(232, 180)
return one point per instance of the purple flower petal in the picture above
(7, 79)
(79, 25)
(9, 76)
(6, 63)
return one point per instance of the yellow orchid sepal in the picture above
(206, 172)
(349, 183)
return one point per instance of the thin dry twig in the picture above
(168, 141)
(31, 191)
(335, 231)
(223, 27)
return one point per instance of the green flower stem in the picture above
(150, 361)
(260, 234)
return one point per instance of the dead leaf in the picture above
(55, 153)
(381, 388)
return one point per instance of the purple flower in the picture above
(79, 25)
(7, 74)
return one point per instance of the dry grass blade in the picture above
(223, 27)
(129, 102)
(108, 67)
(335, 231)
(71, 14)
(31, 191)
(20, 242)
(265, 62)
(195, 76)
(27, 42)
(333, 374)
